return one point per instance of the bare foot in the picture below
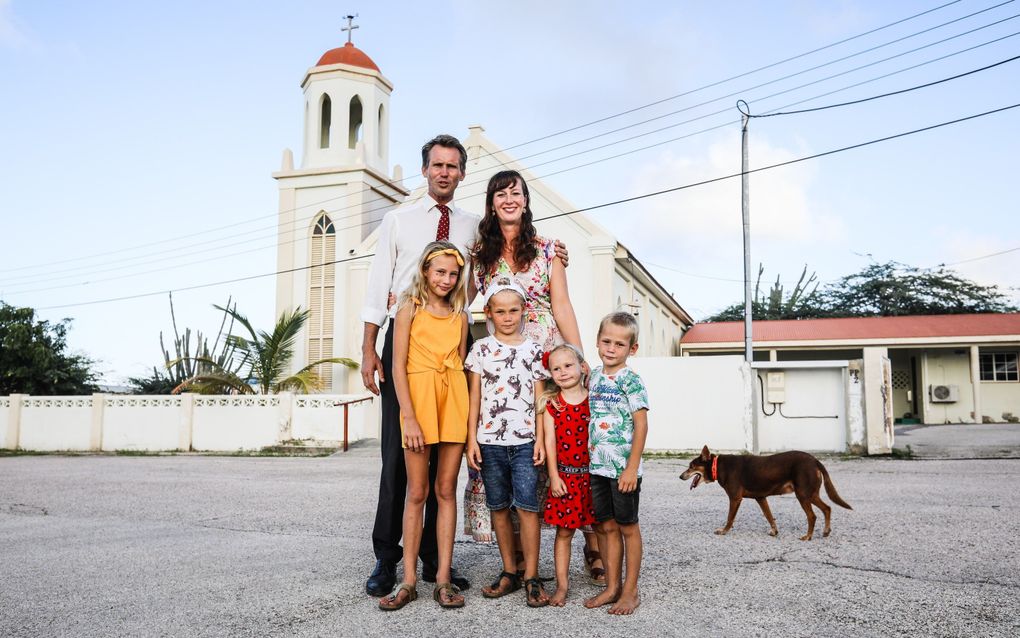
(605, 598)
(625, 604)
(559, 599)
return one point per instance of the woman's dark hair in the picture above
(490, 238)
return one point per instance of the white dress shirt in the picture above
(403, 235)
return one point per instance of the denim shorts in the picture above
(510, 476)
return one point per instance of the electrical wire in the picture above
(884, 95)
(77, 272)
(573, 212)
(561, 132)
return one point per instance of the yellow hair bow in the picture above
(446, 251)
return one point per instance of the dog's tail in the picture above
(830, 489)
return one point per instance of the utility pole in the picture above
(745, 206)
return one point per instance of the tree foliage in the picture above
(259, 361)
(34, 357)
(879, 290)
(893, 289)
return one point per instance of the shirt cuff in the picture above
(373, 316)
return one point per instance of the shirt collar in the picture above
(430, 204)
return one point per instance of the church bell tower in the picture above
(332, 202)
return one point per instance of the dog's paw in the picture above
(721, 531)
(774, 532)
(805, 537)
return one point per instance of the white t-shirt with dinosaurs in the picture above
(508, 375)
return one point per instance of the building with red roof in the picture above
(945, 368)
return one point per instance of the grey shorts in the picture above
(611, 504)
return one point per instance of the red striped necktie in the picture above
(443, 231)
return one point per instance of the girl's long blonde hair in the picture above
(552, 391)
(418, 292)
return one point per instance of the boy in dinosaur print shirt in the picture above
(505, 374)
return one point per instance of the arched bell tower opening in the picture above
(325, 120)
(354, 123)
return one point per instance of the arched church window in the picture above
(322, 295)
(354, 134)
(324, 226)
(325, 119)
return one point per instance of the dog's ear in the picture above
(705, 455)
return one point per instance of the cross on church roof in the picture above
(350, 27)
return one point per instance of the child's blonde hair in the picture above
(551, 389)
(623, 320)
(418, 292)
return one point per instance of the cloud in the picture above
(12, 36)
(780, 206)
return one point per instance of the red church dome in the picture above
(347, 54)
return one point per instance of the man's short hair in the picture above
(623, 320)
(447, 141)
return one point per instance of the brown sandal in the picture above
(448, 596)
(596, 575)
(494, 588)
(392, 602)
(533, 588)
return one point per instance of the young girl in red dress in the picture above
(564, 406)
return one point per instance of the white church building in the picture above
(331, 206)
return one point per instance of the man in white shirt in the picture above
(403, 235)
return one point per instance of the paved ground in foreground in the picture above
(218, 546)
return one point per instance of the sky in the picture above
(138, 139)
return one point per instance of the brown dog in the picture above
(760, 476)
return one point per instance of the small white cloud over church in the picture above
(332, 204)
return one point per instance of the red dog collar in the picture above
(715, 467)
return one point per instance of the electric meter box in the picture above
(775, 387)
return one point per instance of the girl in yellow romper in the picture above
(429, 346)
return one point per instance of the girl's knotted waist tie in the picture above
(450, 363)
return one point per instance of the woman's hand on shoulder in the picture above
(561, 252)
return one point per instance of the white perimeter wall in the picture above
(186, 422)
(816, 393)
(694, 401)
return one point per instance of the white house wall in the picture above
(948, 367)
(998, 399)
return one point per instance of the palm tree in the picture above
(263, 357)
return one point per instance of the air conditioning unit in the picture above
(945, 393)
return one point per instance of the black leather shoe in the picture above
(382, 579)
(428, 574)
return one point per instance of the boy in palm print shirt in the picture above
(617, 432)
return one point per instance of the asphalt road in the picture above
(223, 546)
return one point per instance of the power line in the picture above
(891, 93)
(77, 272)
(279, 243)
(663, 100)
(573, 212)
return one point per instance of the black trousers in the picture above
(389, 514)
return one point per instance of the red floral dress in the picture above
(575, 509)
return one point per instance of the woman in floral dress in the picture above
(509, 246)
